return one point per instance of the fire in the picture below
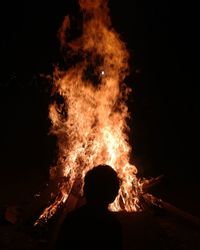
(90, 120)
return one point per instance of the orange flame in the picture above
(90, 124)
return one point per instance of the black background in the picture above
(161, 37)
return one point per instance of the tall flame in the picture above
(90, 120)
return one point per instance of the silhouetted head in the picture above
(101, 185)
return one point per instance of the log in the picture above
(173, 210)
(147, 184)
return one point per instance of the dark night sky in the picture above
(162, 39)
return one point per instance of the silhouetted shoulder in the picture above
(90, 228)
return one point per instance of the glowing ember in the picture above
(90, 121)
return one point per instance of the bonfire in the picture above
(89, 113)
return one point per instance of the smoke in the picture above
(91, 5)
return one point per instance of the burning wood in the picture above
(147, 184)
